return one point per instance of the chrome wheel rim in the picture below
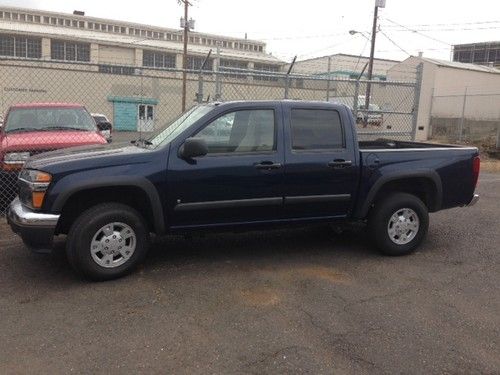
(113, 245)
(403, 226)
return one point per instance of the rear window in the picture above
(37, 119)
(316, 129)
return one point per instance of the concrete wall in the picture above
(116, 55)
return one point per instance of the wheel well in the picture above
(423, 188)
(132, 196)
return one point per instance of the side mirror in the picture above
(103, 126)
(193, 147)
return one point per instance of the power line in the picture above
(417, 32)
(393, 42)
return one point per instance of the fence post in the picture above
(218, 88)
(462, 119)
(355, 103)
(328, 79)
(416, 100)
(431, 107)
(287, 78)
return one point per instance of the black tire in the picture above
(84, 228)
(381, 214)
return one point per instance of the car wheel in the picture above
(398, 224)
(107, 241)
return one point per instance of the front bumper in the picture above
(35, 228)
(474, 200)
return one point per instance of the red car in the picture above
(33, 128)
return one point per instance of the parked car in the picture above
(372, 117)
(33, 128)
(104, 124)
(282, 162)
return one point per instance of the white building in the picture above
(451, 91)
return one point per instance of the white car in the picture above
(104, 125)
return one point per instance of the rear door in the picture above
(240, 180)
(320, 161)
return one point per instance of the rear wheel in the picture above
(107, 241)
(398, 223)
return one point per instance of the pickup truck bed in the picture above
(237, 164)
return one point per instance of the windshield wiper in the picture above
(20, 130)
(63, 128)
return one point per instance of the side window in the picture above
(316, 129)
(241, 131)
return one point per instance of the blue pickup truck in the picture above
(233, 165)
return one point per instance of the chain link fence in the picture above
(471, 115)
(139, 101)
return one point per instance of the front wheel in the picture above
(398, 224)
(107, 241)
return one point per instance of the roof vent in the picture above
(78, 13)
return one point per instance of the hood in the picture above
(84, 157)
(48, 140)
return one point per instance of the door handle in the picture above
(339, 163)
(268, 165)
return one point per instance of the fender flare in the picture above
(430, 175)
(120, 181)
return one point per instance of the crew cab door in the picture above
(320, 161)
(239, 180)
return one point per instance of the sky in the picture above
(313, 28)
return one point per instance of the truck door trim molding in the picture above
(235, 203)
(300, 199)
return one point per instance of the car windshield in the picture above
(42, 119)
(100, 119)
(180, 124)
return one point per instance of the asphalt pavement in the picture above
(294, 301)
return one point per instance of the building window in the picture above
(20, 46)
(112, 69)
(233, 66)
(266, 68)
(69, 51)
(158, 59)
(195, 62)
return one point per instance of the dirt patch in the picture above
(260, 297)
(324, 273)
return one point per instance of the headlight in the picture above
(33, 185)
(16, 157)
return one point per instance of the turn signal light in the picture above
(37, 199)
(42, 177)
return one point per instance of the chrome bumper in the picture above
(474, 200)
(35, 228)
(22, 216)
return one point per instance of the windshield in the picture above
(180, 124)
(41, 119)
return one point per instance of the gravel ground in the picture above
(298, 300)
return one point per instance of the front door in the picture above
(320, 174)
(239, 180)
(146, 116)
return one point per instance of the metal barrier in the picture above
(140, 100)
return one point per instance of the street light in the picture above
(362, 33)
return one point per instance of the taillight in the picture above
(476, 166)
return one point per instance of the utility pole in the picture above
(381, 4)
(184, 55)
